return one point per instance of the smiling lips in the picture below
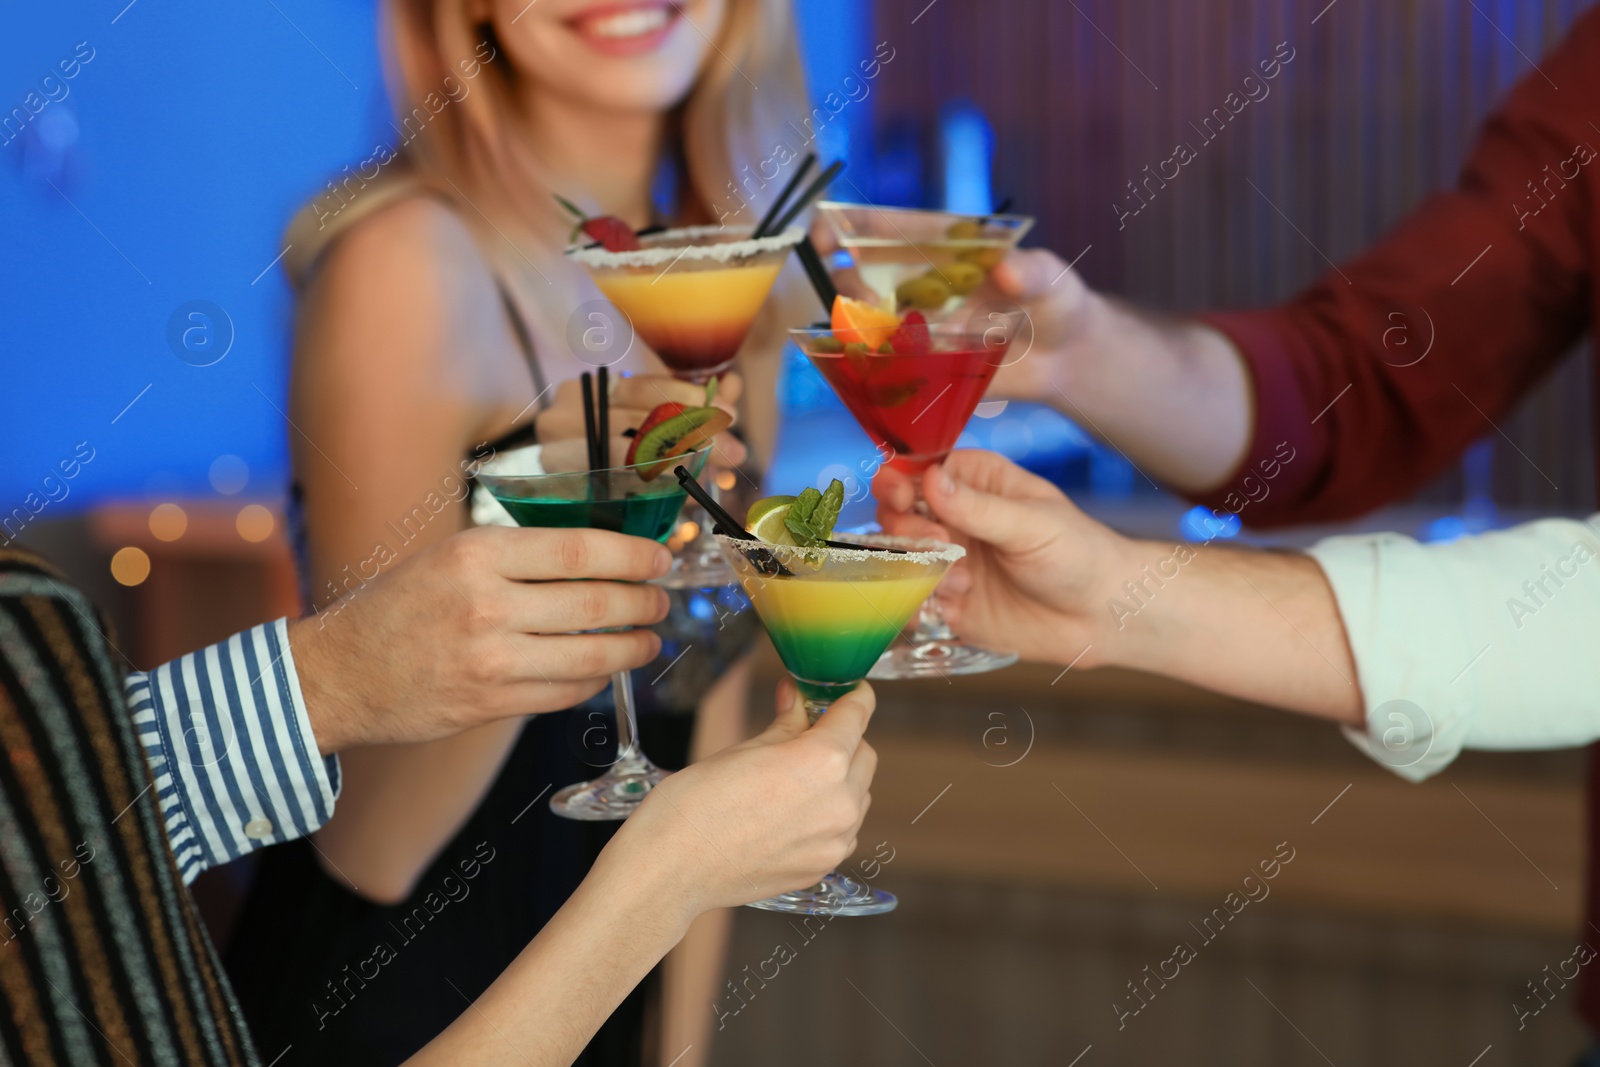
(626, 29)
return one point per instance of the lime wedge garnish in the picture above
(766, 518)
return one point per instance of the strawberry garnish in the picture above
(613, 234)
(911, 337)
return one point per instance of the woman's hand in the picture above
(479, 628)
(1037, 573)
(633, 398)
(772, 814)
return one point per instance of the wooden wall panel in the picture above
(1377, 108)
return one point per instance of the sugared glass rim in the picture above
(944, 328)
(671, 246)
(913, 549)
(685, 459)
(830, 207)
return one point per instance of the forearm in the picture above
(546, 1005)
(1172, 395)
(1261, 626)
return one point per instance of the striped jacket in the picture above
(103, 958)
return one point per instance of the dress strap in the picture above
(526, 433)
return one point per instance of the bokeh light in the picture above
(130, 565)
(725, 480)
(255, 523)
(168, 522)
(1200, 525)
(229, 474)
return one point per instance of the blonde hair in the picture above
(722, 123)
(459, 117)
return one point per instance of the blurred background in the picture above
(1053, 833)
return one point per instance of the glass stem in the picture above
(931, 626)
(814, 710)
(627, 720)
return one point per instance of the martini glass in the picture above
(913, 259)
(914, 406)
(691, 295)
(831, 611)
(552, 486)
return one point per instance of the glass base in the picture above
(610, 797)
(695, 569)
(834, 895)
(935, 659)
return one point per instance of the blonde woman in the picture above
(433, 319)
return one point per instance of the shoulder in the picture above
(24, 574)
(18, 560)
(33, 590)
(416, 247)
(407, 285)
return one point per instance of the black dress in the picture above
(325, 976)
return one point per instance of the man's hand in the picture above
(1046, 580)
(478, 628)
(1034, 577)
(1173, 394)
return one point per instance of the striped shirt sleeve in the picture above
(230, 746)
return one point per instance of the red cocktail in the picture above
(915, 405)
(912, 387)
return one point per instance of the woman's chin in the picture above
(625, 86)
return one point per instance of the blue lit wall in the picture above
(164, 176)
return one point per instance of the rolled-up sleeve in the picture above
(1486, 642)
(230, 746)
(1377, 376)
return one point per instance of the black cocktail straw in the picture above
(811, 260)
(730, 526)
(723, 522)
(764, 226)
(804, 200)
(603, 419)
(589, 420)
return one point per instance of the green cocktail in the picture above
(831, 611)
(645, 514)
(551, 486)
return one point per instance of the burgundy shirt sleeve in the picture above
(1374, 379)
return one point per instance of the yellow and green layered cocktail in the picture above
(835, 611)
(831, 606)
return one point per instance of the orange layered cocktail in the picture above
(691, 294)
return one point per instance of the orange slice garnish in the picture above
(857, 320)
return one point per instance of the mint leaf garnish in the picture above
(811, 515)
(798, 520)
(826, 513)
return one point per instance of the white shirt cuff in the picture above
(1484, 642)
